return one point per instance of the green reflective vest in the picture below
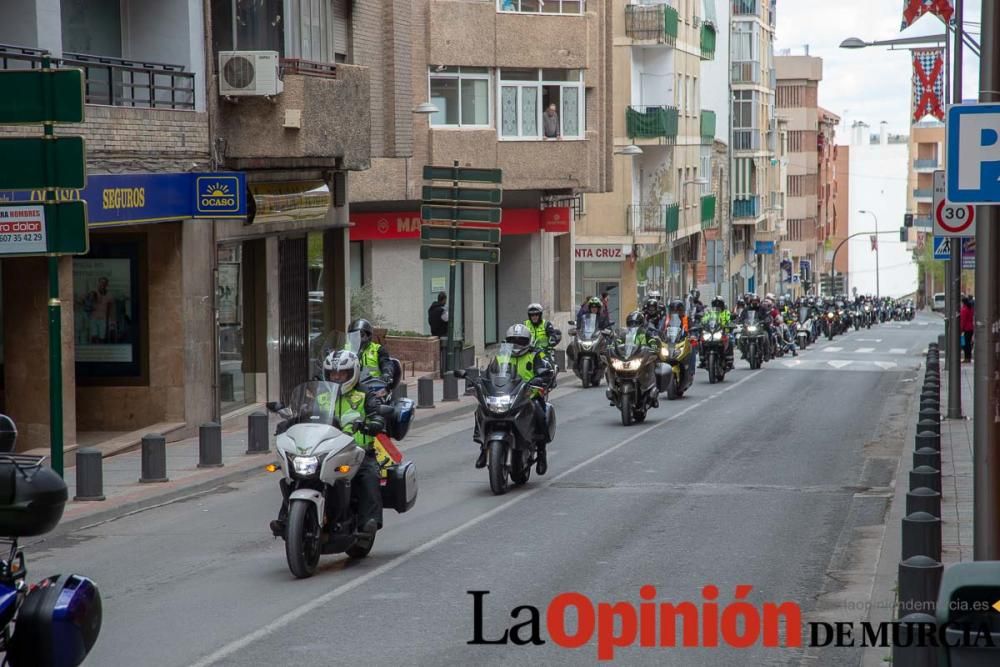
(539, 335)
(524, 365)
(349, 409)
(369, 357)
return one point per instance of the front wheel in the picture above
(497, 463)
(302, 546)
(586, 374)
(626, 409)
(520, 466)
(713, 370)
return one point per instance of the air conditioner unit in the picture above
(249, 73)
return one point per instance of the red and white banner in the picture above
(928, 83)
(914, 9)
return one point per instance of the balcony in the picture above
(923, 193)
(707, 41)
(673, 218)
(746, 7)
(651, 23)
(114, 81)
(746, 140)
(745, 71)
(748, 208)
(925, 165)
(646, 218)
(707, 127)
(708, 211)
(922, 222)
(651, 122)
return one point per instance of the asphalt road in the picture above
(754, 481)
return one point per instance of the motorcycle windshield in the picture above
(587, 328)
(710, 320)
(314, 403)
(501, 371)
(674, 329)
(803, 314)
(750, 318)
(628, 344)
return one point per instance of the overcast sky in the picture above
(871, 84)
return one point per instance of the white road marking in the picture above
(869, 340)
(833, 349)
(839, 363)
(317, 602)
(865, 350)
(885, 365)
(792, 363)
(899, 350)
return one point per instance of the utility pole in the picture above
(986, 429)
(953, 268)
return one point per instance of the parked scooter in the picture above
(585, 352)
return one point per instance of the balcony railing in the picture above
(746, 140)
(114, 81)
(652, 218)
(747, 207)
(707, 211)
(650, 122)
(657, 23)
(931, 163)
(707, 126)
(923, 193)
(743, 7)
(707, 41)
(923, 222)
(746, 71)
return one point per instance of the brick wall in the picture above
(367, 39)
(125, 139)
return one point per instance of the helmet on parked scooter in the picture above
(341, 367)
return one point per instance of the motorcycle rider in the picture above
(638, 321)
(372, 356)
(595, 307)
(357, 415)
(527, 361)
(676, 307)
(652, 311)
(544, 335)
(726, 321)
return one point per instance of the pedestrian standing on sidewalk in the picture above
(437, 318)
(967, 323)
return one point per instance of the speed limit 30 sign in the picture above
(951, 219)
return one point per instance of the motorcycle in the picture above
(585, 353)
(830, 323)
(803, 330)
(753, 340)
(318, 461)
(631, 375)
(674, 374)
(714, 341)
(55, 622)
(507, 418)
(868, 316)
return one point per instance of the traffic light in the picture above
(903, 235)
(908, 220)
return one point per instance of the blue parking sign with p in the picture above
(973, 160)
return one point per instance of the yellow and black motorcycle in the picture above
(675, 371)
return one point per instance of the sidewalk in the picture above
(956, 474)
(124, 493)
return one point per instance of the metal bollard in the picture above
(928, 440)
(924, 476)
(89, 475)
(927, 456)
(257, 433)
(425, 392)
(922, 499)
(399, 392)
(919, 581)
(908, 651)
(921, 536)
(929, 395)
(210, 445)
(927, 426)
(450, 393)
(154, 459)
(927, 413)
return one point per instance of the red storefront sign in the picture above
(555, 219)
(406, 224)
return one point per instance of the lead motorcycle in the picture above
(714, 341)
(318, 461)
(631, 373)
(753, 339)
(507, 420)
(55, 622)
(585, 352)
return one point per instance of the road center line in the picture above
(300, 611)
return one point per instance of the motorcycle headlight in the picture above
(706, 336)
(751, 329)
(586, 345)
(830, 315)
(717, 335)
(305, 466)
(498, 404)
(632, 365)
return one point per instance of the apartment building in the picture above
(754, 139)
(927, 140)
(647, 233)
(811, 203)
(491, 70)
(138, 321)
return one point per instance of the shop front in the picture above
(601, 272)
(138, 310)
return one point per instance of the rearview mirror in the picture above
(460, 373)
(275, 406)
(546, 373)
(572, 323)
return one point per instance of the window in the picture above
(714, 261)
(462, 96)
(705, 169)
(307, 29)
(542, 6)
(527, 94)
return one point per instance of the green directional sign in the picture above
(25, 93)
(467, 174)
(41, 228)
(447, 235)
(460, 254)
(29, 163)
(473, 196)
(490, 216)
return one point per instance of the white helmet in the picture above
(519, 336)
(341, 367)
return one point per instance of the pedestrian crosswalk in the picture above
(814, 364)
(861, 350)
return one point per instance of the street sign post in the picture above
(483, 216)
(973, 156)
(463, 196)
(942, 248)
(950, 219)
(437, 235)
(45, 96)
(480, 255)
(467, 174)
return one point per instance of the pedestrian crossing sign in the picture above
(942, 247)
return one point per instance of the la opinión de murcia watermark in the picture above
(572, 620)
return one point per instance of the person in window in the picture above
(550, 122)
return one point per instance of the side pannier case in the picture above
(57, 624)
(400, 490)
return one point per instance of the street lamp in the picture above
(631, 150)
(857, 43)
(425, 109)
(877, 291)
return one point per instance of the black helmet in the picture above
(364, 327)
(651, 307)
(717, 302)
(741, 302)
(635, 319)
(677, 307)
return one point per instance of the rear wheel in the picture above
(302, 546)
(626, 409)
(498, 468)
